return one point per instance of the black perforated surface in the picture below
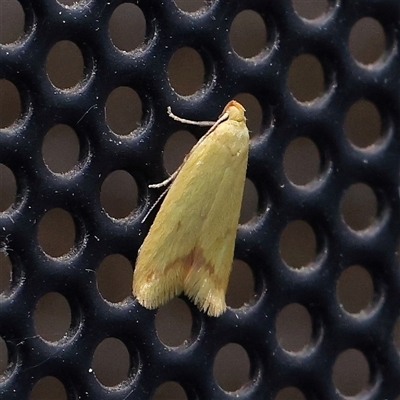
(265, 77)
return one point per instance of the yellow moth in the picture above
(190, 245)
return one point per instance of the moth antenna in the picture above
(163, 194)
(164, 182)
(188, 121)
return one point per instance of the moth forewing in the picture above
(190, 245)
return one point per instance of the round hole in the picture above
(176, 148)
(363, 124)
(114, 278)
(301, 161)
(123, 110)
(56, 232)
(306, 78)
(174, 323)
(186, 71)
(10, 110)
(367, 41)
(5, 267)
(111, 362)
(248, 34)
(290, 393)
(249, 202)
(359, 207)
(355, 289)
(169, 390)
(52, 316)
(3, 357)
(254, 112)
(8, 187)
(48, 388)
(294, 328)
(351, 372)
(241, 285)
(65, 65)
(232, 367)
(60, 149)
(127, 27)
(310, 10)
(119, 194)
(190, 6)
(12, 19)
(298, 244)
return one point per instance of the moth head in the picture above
(235, 111)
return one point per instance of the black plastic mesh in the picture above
(265, 77)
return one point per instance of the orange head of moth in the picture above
(235, 111)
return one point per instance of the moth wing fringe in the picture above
(154, 291)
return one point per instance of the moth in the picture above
(190, 245)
